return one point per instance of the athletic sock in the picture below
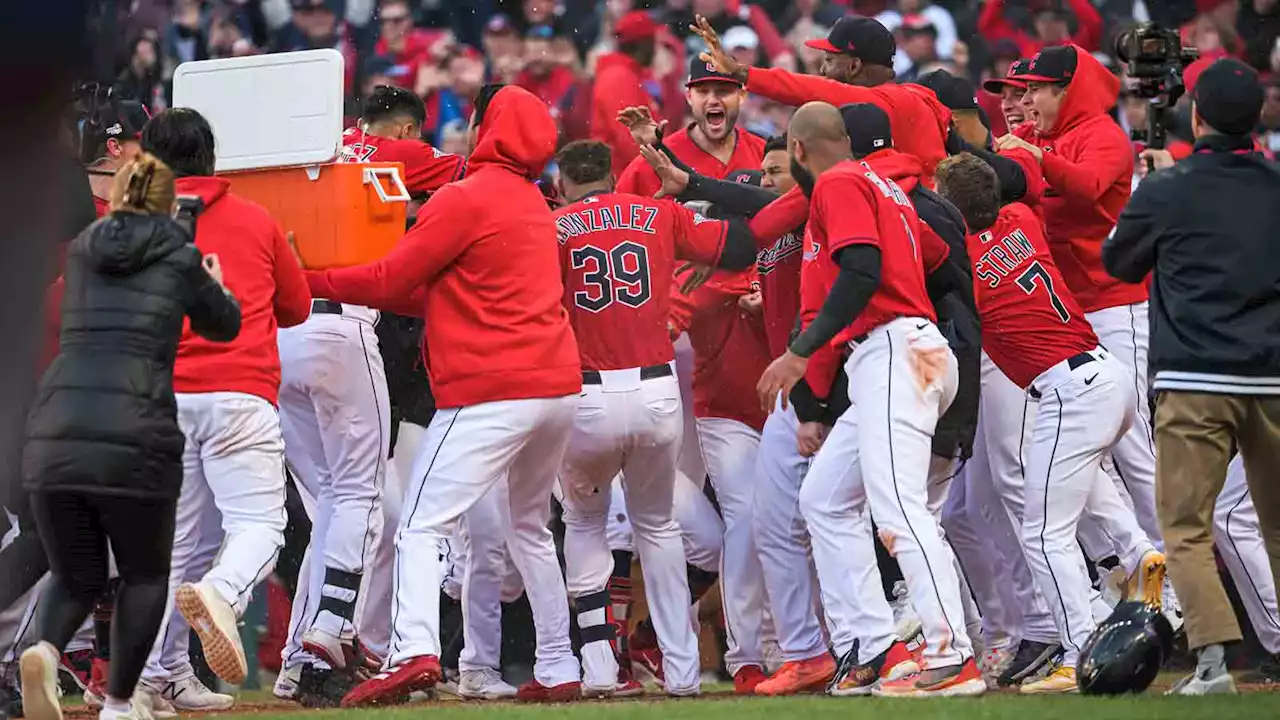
(116, 705)
(620, 600)
(1211, 662)
(338, 596)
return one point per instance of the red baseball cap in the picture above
(635, 26)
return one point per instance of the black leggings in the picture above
(75, 529)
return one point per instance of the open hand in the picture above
(644, 129)
(781, 375)
(674, 180)
(715, 54)
(1011, 141)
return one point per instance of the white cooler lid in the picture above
(267, 110)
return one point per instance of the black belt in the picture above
(325, 307)
(1074, 362)
(592, 377)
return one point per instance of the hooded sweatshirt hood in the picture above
(125, 244)
(1092, 91)
(517, 134)
(209, 189)
(905, 170)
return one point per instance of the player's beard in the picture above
(803, 178)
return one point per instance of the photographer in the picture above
(1205, 228)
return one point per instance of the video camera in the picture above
(1155, 58)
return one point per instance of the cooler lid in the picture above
(267, 110)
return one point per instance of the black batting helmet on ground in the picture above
(1126, 652)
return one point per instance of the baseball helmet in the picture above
(1126, 651)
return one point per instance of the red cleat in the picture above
(534, 691)
(97, 687)
(394, 685)
(747, 678)
(628, 686)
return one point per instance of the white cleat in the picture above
(1193, 684)
(215, 622)
(484, 684)
(190, 695)
(286, 686)
(38, 668)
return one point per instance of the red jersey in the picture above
(1030, 322)
(425, 168)
(852, 205)
(618, 257)
(748, 153)
(779, 226)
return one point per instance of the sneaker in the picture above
(394, 685)
(448, 683)
(1193, 684)
(337, 653)
(484, 684)
(906, 623)
(993, 662)
(628, 685)
(147, 701)
(214, 621)
(286, 686)
(747, 679)
(649, 660)
(1147, 582)
(1061, 681)
(38, 668)
(133, 713)
(189, 694)
(799, 676)
(1030, 658)
(854, 680)
(95, 693)
(74, 671)
(961, 680)
(1267, 672)
(534, 691)
(323, 687)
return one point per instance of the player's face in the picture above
(1042, 102)
(775, 171)
(838, 66)
(715, 107)
(1011, 106)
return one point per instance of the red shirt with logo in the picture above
(748, 153)
(618, 256)
(778, 228)
(1030, 320)
(425, 167)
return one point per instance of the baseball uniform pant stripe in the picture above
(487, 580)
(1044, 552)
(1239, 539)
(384, 442)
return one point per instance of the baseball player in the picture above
(1084, 403)
(618, 254)
(1239, 539)
(506, 384)
(864, 267)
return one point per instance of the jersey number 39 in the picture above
(620, 275)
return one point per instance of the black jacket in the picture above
(1207, 227)
(105, 420)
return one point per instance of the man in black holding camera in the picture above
(1205, 228)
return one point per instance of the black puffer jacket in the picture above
(105, 421)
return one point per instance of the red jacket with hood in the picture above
(485, 278)
(262, 273)
(1088, 165)
(619, 84)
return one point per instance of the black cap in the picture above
(1229, 97)
(995, 86)
(868, 128)
(746, 177)
(954, 92)
(1051, 65)
(123, 120)
(860, 37)
(701, 71)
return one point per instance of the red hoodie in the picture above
(619, 84)
(919, 122)
(485, 277)
(993, 26)
(262, 273)
(1088, 164)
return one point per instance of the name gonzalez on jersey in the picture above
(635, 217)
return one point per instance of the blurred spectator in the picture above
(500, 38)
(743, 44)
(538, 12)
(919, 13)
(141, 78)
(1269, 136)
(378, 70)
(917, 45)
(723, 15)
(544, 74)
(227, 39)
(185, 41)
(313, 25)
(453, 138)
(802, 16)
(1049, 22)
(406, 47)
(463, 76)
(620, 83)
(1259, 26)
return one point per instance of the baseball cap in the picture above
(1229, 97)
(997, 85)
(740, 36)
(125, 120)
(868, 128)
(635, 26)
(701, 71)
(744, 177)
(918, 25)
(956, 93)
(1051, 65)
(860, 37)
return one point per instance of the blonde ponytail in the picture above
(144, 185)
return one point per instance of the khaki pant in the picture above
(1197, 434)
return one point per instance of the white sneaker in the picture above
(906, 622)
(1192, 684)
(133, 713)
(484, 684)
(286, 687)
(188, 693)
(38, 668)
(148, 705)
(215, 622)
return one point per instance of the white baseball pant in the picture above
(902, 377)
(1239, 539)
(977, 561)
(729, 450)
(782, 539)
(489, 578)
(170, 657)
(690, 462)
(1084, 410)
(701, 529)
(467, 451)
(18, 629)
(630, 425)
(942, 476)
(1123, 331)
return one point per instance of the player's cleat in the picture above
(38, 669)
(747, 679)
(337, 653)
(994, 661)
(628, 685)
(1030, 658)
(799, 676)
(95, 693)
(484, 684)
(214, 621)
(1195, 684)
(649, 660)
(189, 694)
(906, 623)
(286, 685)
(1146, 584)
(394, 685)
(534, 691)
(961, 680)
(74, 671)
(852, 680)
(1062, 681)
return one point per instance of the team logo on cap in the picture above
(711, 67)
(116, 129)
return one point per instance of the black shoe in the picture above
(1267, 672)
(322, 687)
(846, 664)
(1029, 659)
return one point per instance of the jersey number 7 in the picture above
(620, 275)
(1035, 275)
